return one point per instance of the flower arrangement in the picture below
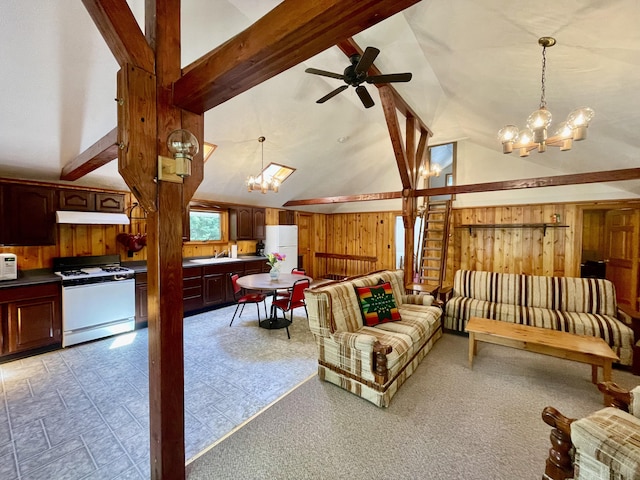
(274, 258)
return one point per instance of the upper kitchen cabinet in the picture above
(246, 223)
(28, 215)
(85, 201)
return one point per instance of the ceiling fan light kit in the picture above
(535, 135)
(356, 74)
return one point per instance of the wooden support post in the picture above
(409, 207)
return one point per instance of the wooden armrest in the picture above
(615, 396)
(380, 353)
(559, 465)
(444, 293)
(635, 320)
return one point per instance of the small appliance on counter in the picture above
(260, 249)
(8, 266)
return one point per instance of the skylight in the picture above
(278, 172)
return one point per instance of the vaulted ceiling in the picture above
(476, 66)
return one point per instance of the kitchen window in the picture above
(205, 226)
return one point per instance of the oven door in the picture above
(97, 310)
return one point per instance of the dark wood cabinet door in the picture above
(215, 291)
(142, 309)
(245, 223)
(109, 202)
(259, 218)
(29, 213)
(76, 200)
(34, 322)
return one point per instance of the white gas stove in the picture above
(98, 297)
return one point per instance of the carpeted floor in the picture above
(446, 422)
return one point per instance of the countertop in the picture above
(45, 275)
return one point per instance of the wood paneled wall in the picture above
(368, 234)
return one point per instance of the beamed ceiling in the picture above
(476, 66)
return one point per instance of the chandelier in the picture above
(260, 182)
(535, 135)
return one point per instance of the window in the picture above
(205, 226)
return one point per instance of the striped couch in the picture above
(371, 362)
(585, 306)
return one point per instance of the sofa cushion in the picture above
(377, 304)
(417, 322)
(583, 295)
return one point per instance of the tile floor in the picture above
(83, 413)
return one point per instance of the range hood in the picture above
(91, 218)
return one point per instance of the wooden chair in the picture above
(601, 446)
(245, 299)
(295, 300)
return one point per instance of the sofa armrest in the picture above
(614, 396)
(444, 294)
(420, 299)
(359, 341)
(630, 317)
(559, 465)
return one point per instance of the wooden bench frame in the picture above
(579, 348)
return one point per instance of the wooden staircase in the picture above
(431, 263)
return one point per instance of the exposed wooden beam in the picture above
(420, 158)
(100, 153)
(389, 108)
(364, 197)
(350, 47)
(410, 149)
(121, 32)
(292, 32)
(560, 180)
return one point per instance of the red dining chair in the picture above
(247, 298)
(295, 300)
(286, 293)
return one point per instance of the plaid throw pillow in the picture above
(377, 304)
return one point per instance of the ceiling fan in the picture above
(356, 73)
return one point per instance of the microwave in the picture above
(8, 266)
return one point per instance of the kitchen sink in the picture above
(209, 261)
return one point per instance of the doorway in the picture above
(610, 244)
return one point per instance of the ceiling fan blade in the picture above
(332, 94)
(366, 99)
(324, 73)
(389, 78)
(366, 60)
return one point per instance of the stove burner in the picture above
(114, 269)
(74, 273)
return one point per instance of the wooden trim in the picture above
(100, 153)
(121, 32)
(559, 180)
(289, 34)
(340, 256)
(389, 107)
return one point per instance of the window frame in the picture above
(224, 226)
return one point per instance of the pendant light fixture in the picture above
(535, 135)
(261, 182)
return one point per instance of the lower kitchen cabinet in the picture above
(30, 318)
(142, 308)
(192, 289)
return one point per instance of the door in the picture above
(621, 253)
(305, 224)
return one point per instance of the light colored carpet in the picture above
(446, 422)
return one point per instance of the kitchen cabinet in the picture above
(192, 289)
(216, 282)
(142, 308)
(287, 217)
(86, 201)
(30, 318)
(28, 213)
(246, 223)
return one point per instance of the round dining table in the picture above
(264, 282)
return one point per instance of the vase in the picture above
(274, 273)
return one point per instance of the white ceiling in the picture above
(476, 66)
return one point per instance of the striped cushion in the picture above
(584, 295)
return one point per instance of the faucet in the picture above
(221, 254)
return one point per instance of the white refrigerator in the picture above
(283, 239)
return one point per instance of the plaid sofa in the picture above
(584, 306)
(604, 445)
(371, 362)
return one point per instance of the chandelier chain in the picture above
(543, 100)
